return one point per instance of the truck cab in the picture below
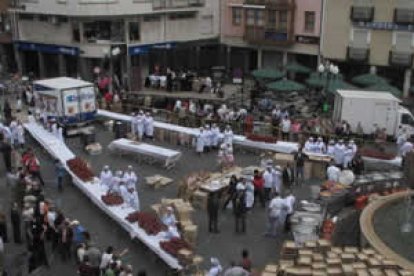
(406, 120)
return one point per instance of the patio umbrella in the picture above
(368, 80)
(385, 87)
(295, 67)
(336, 84)
(286, 86)
(267, 74)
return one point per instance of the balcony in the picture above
(362, 14)
(400, 58)
(358, 54)
(404, 16)
(273, 4)
(267, 36)
(176, 4)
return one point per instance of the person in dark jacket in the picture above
(300, 163)
(239, 209)
(3, 228)
(213, 205)
(7, 110)
(357, 165)
(288, 176)
(65, 237)
(231, 191)
(6, 151)
(16, 222)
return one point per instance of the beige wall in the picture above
(338, 28)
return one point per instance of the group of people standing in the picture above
(142, 125)
(121, 184)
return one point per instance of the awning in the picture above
(368, 80)
(267, 74)
(47, 48)
(286, 86)
(143, 49)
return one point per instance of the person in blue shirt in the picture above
(60, 173)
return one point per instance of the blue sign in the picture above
(143, 49)
(47, 48)
(387, 26)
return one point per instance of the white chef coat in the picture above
(123, 191)
(133, 200)
(228, 136)
(268, 179)
(348, 155)
(215, 136)
(149, 126)
(139, 126)
(333, 173)
(200, 142)
(207, 137)
(20, 134)
(106, 179)
(339, 153)
(130, 180)
(276, 181)
(330, 150)
(249, 194)
(290, 203)
(405, 148)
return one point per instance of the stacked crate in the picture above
(321, 258)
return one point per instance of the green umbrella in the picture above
(295, 67)
(368, 80)
(336, 84)
(316, 82)
(385, 87)
(285, 86)
(267, 74)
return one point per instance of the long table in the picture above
(284, 147)
(94, 191)
(168, 156)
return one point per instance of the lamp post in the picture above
(331, 70)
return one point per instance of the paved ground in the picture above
(226, 245)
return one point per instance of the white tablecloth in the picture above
(284, 147)
(167, 155)
(94, 191)
(161, 79)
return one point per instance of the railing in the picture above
(362, 14)
(358, 54)
(400, 58)
(271, 3)
(403, 16)
(264, 35)
(176, 4)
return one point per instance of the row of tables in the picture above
(94, 191)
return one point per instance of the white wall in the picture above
(45, 32)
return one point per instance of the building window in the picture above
(236, 14)
(182, 16)
(103, 30)
(26, 16)
(402, 41)
(283, 20)
(75, 32)
(255, 18)
(309, 21)
(360, 38)
(134, 31)
(271, 19)
(43, 17)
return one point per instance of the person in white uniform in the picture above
(354, 147)
(401, 139)
(13, 130)
(290, 200)
(249, 192)
(228, 135)
(339, 153)
(330, 150)
(276, 215)
(215, 268)
(106, 178)
(229, 156)
(54, 129)
(133, 199)
(207, 138)
(277, 179)
(268, 181)
(130, 178)
(348, 156)
(115, 183)
(406, 148)
(215, 136)
(169, 218)
(123, 192)
(20, 134)
(333, 172)
(309, 144)
(133, 123)
(149, 126)
(200, 141)
(60, 134)
(8, 134)
(320, 146)
(140, 125)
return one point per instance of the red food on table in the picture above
(372, 153)
(112, 199)
(147, 221)
(81, 169)
(174, 245)
(261, 138)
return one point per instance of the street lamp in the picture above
(331, 70)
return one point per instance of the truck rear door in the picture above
(70, 104)
(87, 103)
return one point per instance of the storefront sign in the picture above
(47, 48)
(307, 39)
(143, 49)
(387, 26)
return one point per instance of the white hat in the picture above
(310, 138)
(331, 141)
(279, 168)
(75, 222)
(320, 139)
(106, 167)
(351, 141)
(129, 167)
(169, 208)
(341, 141)
(215, 261)
(119, 173)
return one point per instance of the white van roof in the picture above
(362, 94)
(62, 83)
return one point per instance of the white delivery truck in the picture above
(70, 101)
(372, 109)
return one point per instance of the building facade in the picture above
(271, 33)
(131, 37)
(6, 49)
(371, 35)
